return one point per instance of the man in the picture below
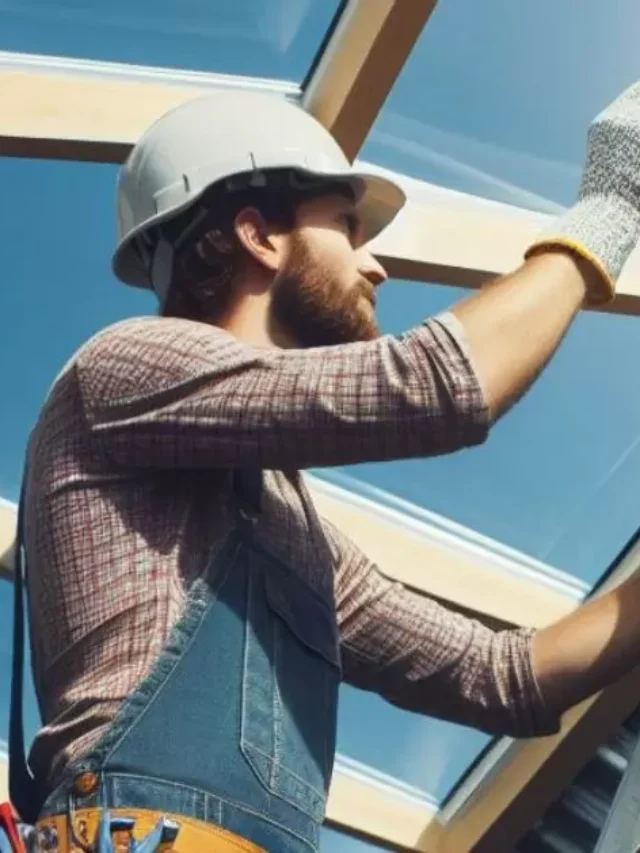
(192, 615)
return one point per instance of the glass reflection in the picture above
(495, 101)
(276, 39)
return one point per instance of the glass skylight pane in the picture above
(261, 38)
(420, 753)
(332, 841)
(496, 97)
(57, 286)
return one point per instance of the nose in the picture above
(370, 267)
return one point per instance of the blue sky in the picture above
(495, 100)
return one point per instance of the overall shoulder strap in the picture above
(23, 789)
(247, 486)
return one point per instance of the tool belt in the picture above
(116, 830)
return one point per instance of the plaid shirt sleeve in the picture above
(423, 657)
(162, 392)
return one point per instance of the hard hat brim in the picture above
(378, 201)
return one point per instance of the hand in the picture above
(604, 225)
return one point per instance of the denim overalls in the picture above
(235, 724)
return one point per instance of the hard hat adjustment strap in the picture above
(160, 261)
(161, 271)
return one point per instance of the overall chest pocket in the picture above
(291, 675)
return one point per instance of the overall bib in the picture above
(235, 724)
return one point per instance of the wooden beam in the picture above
(380, 811)
(4, 780)
(69, 109)
(359, 66)
(475, 579)
(441, 236)
(595, 723)
(8, 520)
(447, 237)
(502, 800)
(538, 773)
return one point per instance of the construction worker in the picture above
(192, 615)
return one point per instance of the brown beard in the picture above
(314, 309)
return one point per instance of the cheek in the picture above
(336, 259)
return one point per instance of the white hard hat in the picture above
(220, 137)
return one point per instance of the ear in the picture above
(263, 243)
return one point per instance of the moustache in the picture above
(368, 291)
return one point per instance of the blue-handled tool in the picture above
(159, 840)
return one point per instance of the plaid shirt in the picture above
(130, 494)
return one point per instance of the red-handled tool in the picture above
(9, 825)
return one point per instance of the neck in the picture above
(249, 319)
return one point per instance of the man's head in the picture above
(202, 223)
(295, 252)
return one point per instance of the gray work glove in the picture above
(604, 225)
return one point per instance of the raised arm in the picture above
(172, 393)
(515, 326)
(188, 394)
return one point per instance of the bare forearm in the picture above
(515, 324)
(589, 649)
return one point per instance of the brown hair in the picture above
(202, 274)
